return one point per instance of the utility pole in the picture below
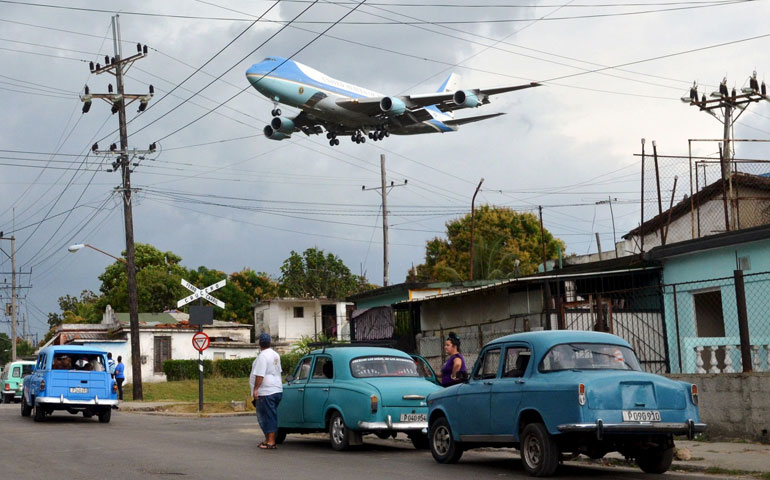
(473, 202)
(117, 66)
(384, 192)
(12, 238)
(547, 286)
(727, 103)
(612, 215)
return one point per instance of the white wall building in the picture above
(289, 319)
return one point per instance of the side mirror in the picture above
(289, 378)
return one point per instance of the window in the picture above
(383, 366)
(589, 356)
(16, 372)
(516, 361)
(709, 321)
(487, 367)
(299, 312)
(219, 356)
(162, 352)
(303, 369)
(323, 368)
(40, 362)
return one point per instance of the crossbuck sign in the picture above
(202, 293)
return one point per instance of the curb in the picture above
(189, 415)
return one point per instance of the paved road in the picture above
(152, 446)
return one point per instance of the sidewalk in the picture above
(179, 409)
(720, 457)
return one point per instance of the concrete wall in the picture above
(734, 405)
(277, 319)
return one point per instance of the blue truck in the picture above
(70, 378)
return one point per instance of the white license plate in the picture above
(414, 417)
(78, 390)
(641, 416)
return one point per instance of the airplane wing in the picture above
(444, 101)
(463, 121)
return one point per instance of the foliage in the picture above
(304, 345)
(289, 362)
(315, 274)
(215, 389)
(186, 369)
(237, 368)
(501, 236)
(5, 349)
(76, 310)
(24, 349)
(239, 294)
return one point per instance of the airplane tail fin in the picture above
(451, 84)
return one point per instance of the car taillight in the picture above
(7, 386)
(694, 394)
(114, 387)
(374, 403)
(582, 394)
(42, 385)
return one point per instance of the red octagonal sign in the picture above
(200, 341)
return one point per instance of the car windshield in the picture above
(27, 369)
(589, 356)
(78, 361)
(383, 366)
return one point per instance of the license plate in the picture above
(78, 390)
(414, 417)
(641, 416)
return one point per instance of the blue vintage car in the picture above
(352, 391)
(557, 392)
(71, 378)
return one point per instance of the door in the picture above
(473, 398)
(424, 369)
(317, 391)
(329, 320)
(290, 408)
(507, 390)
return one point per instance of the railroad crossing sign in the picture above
(202, 293)
(200, 341)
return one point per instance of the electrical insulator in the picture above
(152, 147)
(703, 98)
(109, 88)
(113, 147)
(87, 90)
(142, 106)
(139, 47)
(86, 106)
(95, 147)
(152, 90)
(763, 89)
(113, 60)
(115, 108)
(734, 92)
(91, 65)
(98, 66)
(144, 49)
(106, 60)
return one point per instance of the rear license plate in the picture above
(414, 417)
(641, 416)
(78, 390)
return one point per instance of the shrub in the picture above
(238, 368)
(186, 369)
(289, 362)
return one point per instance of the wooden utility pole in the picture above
(119, 100)
(473, 207)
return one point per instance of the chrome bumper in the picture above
(689, 428)
(391, 425)
(60, 400)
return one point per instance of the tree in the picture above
(239, 294)
(5, 349)
(315, 274)
(501, 236)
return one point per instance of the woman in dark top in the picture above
(454, 364)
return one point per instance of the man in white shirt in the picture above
(267, 389)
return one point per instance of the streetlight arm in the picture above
(108, 254)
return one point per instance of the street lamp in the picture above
(80, 246)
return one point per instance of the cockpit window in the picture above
(269, 59)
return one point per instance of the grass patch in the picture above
(215, 390)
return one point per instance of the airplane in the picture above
(343, 109)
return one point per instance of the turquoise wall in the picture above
(705, 269)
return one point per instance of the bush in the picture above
(238, 368)
(289, 362)
(186, 369)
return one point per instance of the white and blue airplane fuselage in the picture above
(342, 108)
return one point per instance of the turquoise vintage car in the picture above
(70, 378)
(352, 391)
(11, 380)
(556, 392)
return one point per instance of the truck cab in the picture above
(70, 378)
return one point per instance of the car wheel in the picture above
(2, 398)
(419, 441)
(442, 445)
(39, 413)
(105, 415)
(656, 461)
(26, 410)
(338, 432)
(280, 436)
(539, 452)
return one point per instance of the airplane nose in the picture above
(254, 69)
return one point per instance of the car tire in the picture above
(539, 451)
(339, 434)
(105, 415)
(419, 441)
(40, 412)
(656, 461)
(2, 398)
(280, 436)
(26, 410)
(443, 446)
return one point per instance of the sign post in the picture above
(201, 315)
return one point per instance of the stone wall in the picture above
(735, 405)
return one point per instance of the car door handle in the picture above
(300, 389)
(326, 389)
(520, 382)
(487, 383)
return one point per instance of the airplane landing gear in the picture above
(358, 138)
(276, 112)
(332, 138)
(379, 133)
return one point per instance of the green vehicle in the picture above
(12, 384)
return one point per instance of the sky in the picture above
(219, 194)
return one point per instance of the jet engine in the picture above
(392, 106)
(282, 125)
(465, 98)
(273, 134)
